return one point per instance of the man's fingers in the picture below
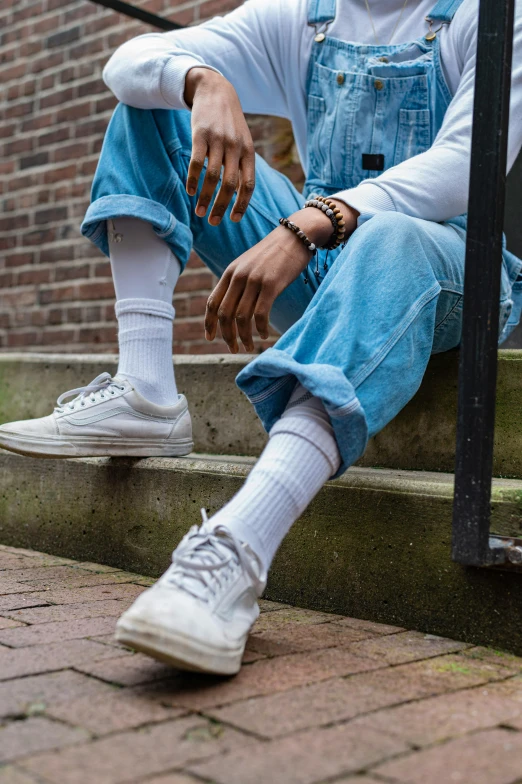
(227, 312)
(213, 303)
(262, 310)
(245, 313)
(197, 161)
(247, 183)
(212, 177)
(229, 185)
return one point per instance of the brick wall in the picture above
(56, 291)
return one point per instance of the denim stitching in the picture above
(370, 366)
(345, 410)
(448, 315)
(169, 229)
(275, 387)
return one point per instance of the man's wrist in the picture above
(350, 214)
(195, 78)
(318, 227)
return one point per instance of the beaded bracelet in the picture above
(332, 211)
(288, 224)
(327, 211)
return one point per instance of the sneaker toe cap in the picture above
(44, 426)
(180, 614)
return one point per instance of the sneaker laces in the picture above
(205, 560)
(94, 391)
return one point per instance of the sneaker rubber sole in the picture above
(181, 652)
(92, 446)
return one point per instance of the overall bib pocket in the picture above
(332, 103)
(317, 138)
(414, 134)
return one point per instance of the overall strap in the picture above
(445, 10)
(321, 11)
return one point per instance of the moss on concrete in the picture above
(421, 437)
(374, 544)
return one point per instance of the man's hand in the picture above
(252, 282)
(221, 134)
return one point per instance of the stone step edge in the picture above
(420, 438)
(374, 544)
(382, 479)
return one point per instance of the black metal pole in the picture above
(137, 13)
(478, 357)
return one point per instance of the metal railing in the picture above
(472, 543)
(137, 13)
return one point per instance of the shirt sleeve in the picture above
(435, 184)
(148, 72)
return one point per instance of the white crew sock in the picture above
(301, 455)
(145, 339)
(145, 272)
(142, 263)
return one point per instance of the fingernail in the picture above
(200, 212)
(214, 221)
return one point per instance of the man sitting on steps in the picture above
(363, 276)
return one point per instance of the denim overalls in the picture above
(360, 333)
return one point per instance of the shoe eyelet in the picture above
(82, 404)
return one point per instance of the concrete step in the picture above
(374, 544)
(421, 438)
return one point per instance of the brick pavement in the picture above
(321, 698)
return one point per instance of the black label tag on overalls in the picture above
(373, 162)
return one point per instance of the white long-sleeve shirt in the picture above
(263, 48)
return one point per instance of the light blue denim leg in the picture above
(142, 173)
(392, 298)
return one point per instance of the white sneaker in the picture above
(198, 615)
(106, 418)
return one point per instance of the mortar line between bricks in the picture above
(50, 603)
(413, 749)
(376, 635)
(136, 727)
(63, 723)
(413, 746)
(508, 727)
(50, 672)
(93, 738)
(360, 772)
(174, 771)
(250, 733)
(4, 613)
(383, 666)
(107, 577)
(369, 770)
(344, 722)
(37, 644)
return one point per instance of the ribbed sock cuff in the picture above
(315, 432)
(149, 307)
